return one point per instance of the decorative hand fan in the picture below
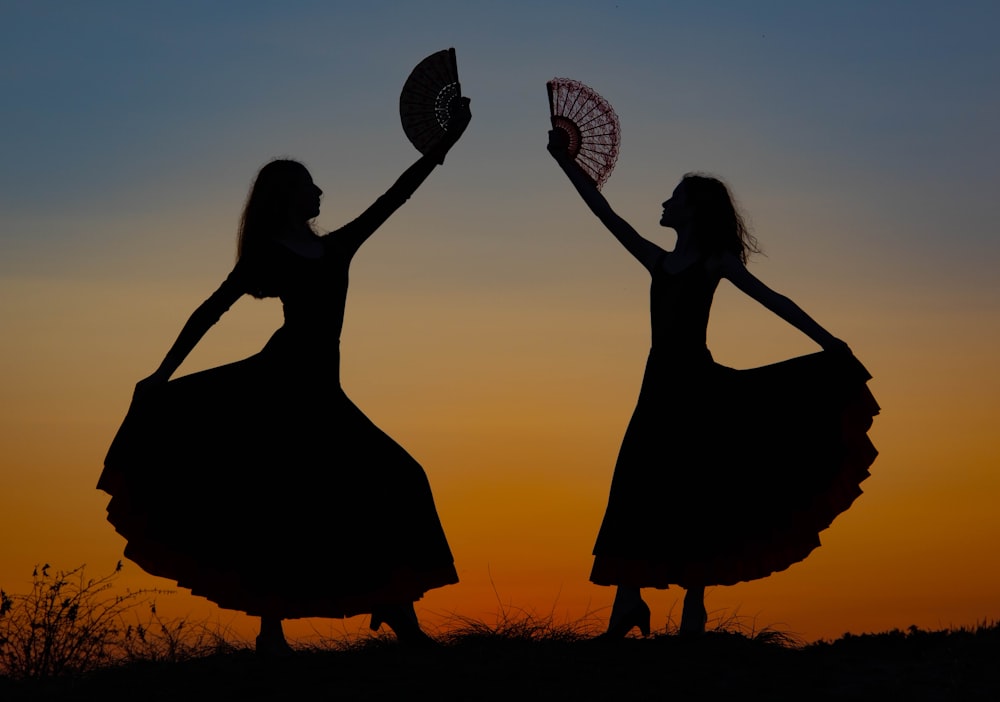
(430, 99)
(591, 124)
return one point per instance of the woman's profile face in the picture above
(675, 209)
(305, 196)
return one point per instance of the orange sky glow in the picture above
(494, 328)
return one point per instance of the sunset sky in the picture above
(493, 327)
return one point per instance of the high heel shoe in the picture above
(637, 616)
(404, 625)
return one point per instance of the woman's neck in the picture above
(684, 253)
(302, 240)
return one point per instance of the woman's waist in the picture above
(305, 340)
(673, 351)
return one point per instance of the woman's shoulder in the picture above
(341, 244)
(723, 263)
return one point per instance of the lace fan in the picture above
(430, 99)
(591, 124)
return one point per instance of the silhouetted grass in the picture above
(521, 655)
(69, 624)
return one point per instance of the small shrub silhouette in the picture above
(69, 624)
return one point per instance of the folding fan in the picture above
(430, 99)
(590, 124)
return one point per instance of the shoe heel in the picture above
(638, 616)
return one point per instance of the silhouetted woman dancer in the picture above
(259, 485)
(723, 475)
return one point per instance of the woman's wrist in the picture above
(437, 153)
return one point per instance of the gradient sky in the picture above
(494, 328)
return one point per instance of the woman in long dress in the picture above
(723, 475)
(259, 484)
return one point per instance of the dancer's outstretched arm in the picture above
(200, 321)
(354, 234)
(642, 249)
(731, 268)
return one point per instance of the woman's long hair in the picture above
(266, 211)
(266, 215)
(717, 224)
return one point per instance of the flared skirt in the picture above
(260, 486)
(730, 475)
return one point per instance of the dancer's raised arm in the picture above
(644, 250)
(355, 233)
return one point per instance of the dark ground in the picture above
(914, 665)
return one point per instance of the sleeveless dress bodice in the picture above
(314, 295)
(679, 306)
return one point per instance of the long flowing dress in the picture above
(728, 475)
(259, 484)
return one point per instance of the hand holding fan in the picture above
(590, 125)
(431, 103)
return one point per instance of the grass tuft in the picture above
(516, 625)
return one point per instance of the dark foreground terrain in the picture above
(912, 665)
